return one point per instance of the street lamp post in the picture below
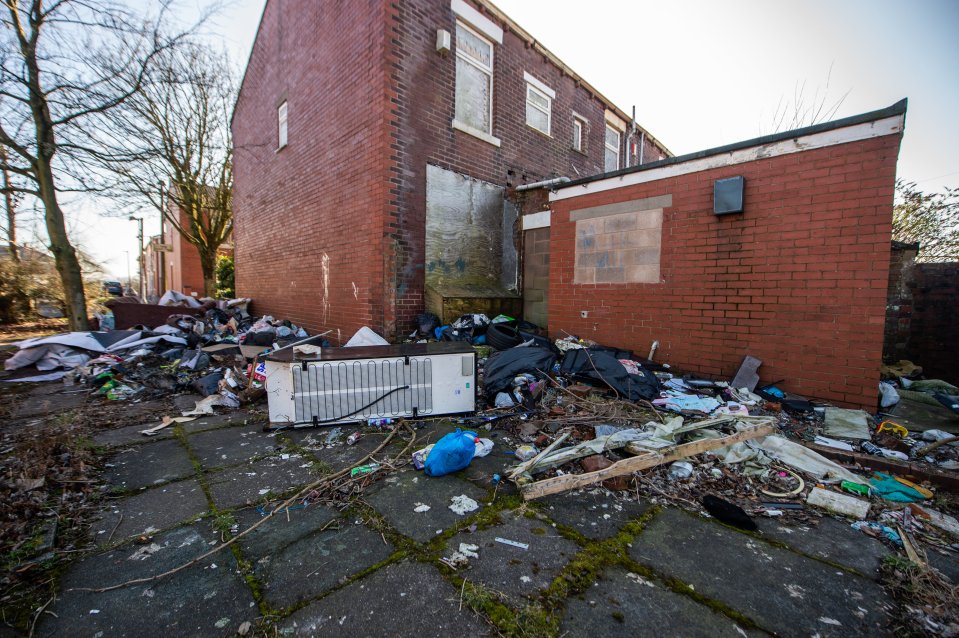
(139, 221)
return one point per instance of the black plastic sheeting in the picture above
(604, 367)
(502, 367)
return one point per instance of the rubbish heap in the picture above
(214, 354)
(580, 415)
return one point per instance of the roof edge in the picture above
(899, 108)
(554, 59)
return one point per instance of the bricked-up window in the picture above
(612, 148)
(579, 134)
(474, 80)
(281, 126)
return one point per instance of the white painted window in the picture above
(539, 104)
(281, 125)
(474, 80)
(612, 148)
(538, 109)
(579, 134)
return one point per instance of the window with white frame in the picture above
(613, 136)
(281, 125)
(474, 80)
(539, 104)
(579, 134)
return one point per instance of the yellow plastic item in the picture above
(925, 493)
(893, 428)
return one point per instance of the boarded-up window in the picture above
(281, 126)
(474, 80)
(619, 248)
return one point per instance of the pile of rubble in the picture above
(213, 354)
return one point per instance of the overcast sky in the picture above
(703, 73)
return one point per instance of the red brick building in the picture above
(173, 263)
(376, 147)
(797, 275)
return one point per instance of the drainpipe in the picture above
(556, 181)
(642, 147)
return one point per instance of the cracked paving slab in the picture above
(831, 540)
(130, 435)
(207, 599)
(396, 496)
(311, 551)
(513, 570)
(623, 604)
(596, 513)
(782, 591)
(256, 481)
(405, 600)
(145, 465)
(149, 511)
(229, 446)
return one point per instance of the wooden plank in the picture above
(522, 467)
(915, 472)
(642, 462)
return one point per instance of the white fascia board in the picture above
(615, 121)
(477, 20)
(539, 85)
(536, 220)
(855, 133)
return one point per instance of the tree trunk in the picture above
(11, 211)
(68, 266)
(208, 266)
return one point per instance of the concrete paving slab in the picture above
(213, 421)
(43, 400)
(207, 599)
(144, 465)
(255, 482)
(308, 554)
(229, 446)
(831, 540)
(130, 435)
(406, 600)
(149, 511)
(397, 495)
(595, 513)
(512, 570)
(948, 564)
(626, 604)
(782, 591)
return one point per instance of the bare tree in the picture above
(63, 64)
(171, 148)
(929, 219)
(805, 110)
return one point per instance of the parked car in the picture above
(114, 288)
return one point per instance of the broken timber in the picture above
(642, 462)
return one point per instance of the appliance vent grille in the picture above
(337, 390)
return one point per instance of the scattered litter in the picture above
(838, 503)
(462, 504)
(364, 469)
(847, 424)
(419, 508)
(506, 541)
(525, 452)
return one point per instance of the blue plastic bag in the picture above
(451, 453)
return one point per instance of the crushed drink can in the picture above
(353, 438)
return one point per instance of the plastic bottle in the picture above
(870, 448)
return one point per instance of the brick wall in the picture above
(309, 217)
(330, 230)
(421, 133)
(799, 280)
(899, 301)
(933, 343)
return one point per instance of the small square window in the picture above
(613, 137)
(579, 134)
(281, 126)
(539, 108)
